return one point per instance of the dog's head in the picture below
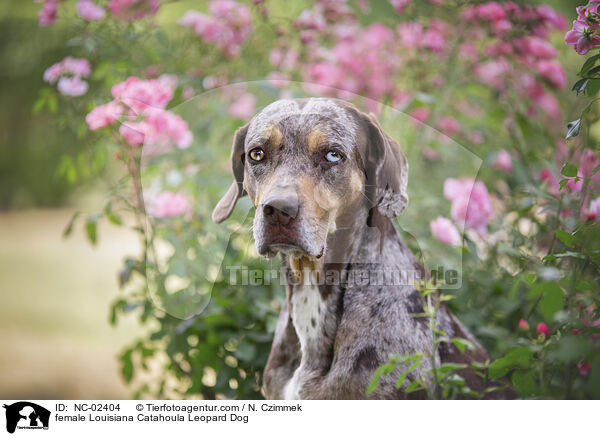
(310, 166)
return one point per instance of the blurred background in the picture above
(55, 293)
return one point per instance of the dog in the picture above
(326, 182)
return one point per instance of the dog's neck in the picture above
(315, 295)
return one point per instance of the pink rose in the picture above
(575, 186)
(103, 115)
(448, 125)
(443, 229)
(523, 325)
(170, 204)
(53, 73)
(420, 114)
(133, 9)
(594, 210)
(553, 71)
(72, 86)
(49, 12)
(584, 368)
(244, 107)
(90, 11)
(471, 203)
(503, 161)
(542, 329)
(580, 37)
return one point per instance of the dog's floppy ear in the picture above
(236, 190)
(386, 170)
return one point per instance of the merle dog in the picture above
(326, 181)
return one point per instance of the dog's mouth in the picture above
(281, 240)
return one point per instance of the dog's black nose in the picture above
(281, 209)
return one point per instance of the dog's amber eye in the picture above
(257, 154)
(333, 156)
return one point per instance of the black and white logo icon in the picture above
(26, 415)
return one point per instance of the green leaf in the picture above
(462, 344)
(588, 64)
(580, 86)
(552, 301)
(524, 383)
(414, 386)
(375, 380)
(400, 380)
(91, 227)
(593, 87)
(593, 71)
(573, 128)
(569, 170)
(69, 228)
(127, 366)
(566, 238)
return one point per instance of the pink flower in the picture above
(443, 229)
(103, 115)
(551, 17)
(547, 177)
(503, 161)
(140, 95)
(170, 204)
(581, 38)
(133, 9)
(399, 5)
(584, 368)
(471, 203)
(133, 132)
(523, 325)
(553, 71)
(594, 210)
(493, 72)
(164, 128)
(72, 86)
(410, 33)
(542, 329)
(244, 107)
(53, 73)
(587, 11)
(76, 66)
(448, 125)
(228, 25)
(49, 12)
(575, 186)
(420, 114)
(89, 11)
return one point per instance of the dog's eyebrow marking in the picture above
(316, 139)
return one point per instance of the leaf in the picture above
(91, 227)
(414, 386)
(566, 238)
(524, 383)
(400, 380)
(588, 64)
(552, 302)
(69, 228)
(593, 87)
(127, 366)
(569, 170)
(375, 380)
(593, 71)
(580, 86)
(462, 344)
(573, 128)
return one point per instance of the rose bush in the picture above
(496, 190)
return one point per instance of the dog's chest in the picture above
(308, 312)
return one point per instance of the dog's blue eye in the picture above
(333, 156)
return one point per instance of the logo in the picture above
(26, 415)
